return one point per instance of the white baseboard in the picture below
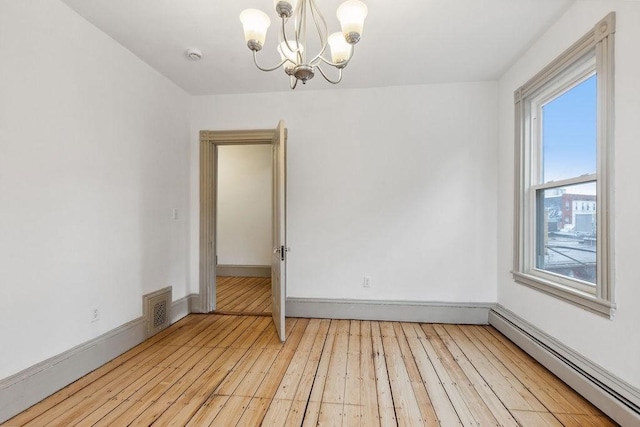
(243, 270)
(612, 395)
(180, 308)
(26, 388)
(397, 311)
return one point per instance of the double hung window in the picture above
(564, 142)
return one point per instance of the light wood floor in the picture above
(227, 370)
(243, 295)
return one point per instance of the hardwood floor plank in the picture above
(323, 366)
(126, 405)
(77, 412)
(239, 374)
(279, 410)
(207, 412)
(581, 404)
(255, 412)
(245, 326)
(135, 408)
(238, 301)
(331, 414)
(293, 375)
(353, 415)
(337, 372)
(191, 391)
(232, 411)
(213, 337)
(510, 391)
(532, 377)
(444, 378)
(386, 409)
(67, 411)
(404, 400)
(307, 380)
(189, 337)
(472, 399)
(353, 379)
(61, 395)
(443, 408)
(425, 405)
(263, 297)
(257, 373)
(233, 370)
(271, 381)
(243, 295)
(311, 414)
(484, 391)
(368, 393)
(532, 418)
(583, 420)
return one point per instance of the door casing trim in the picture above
(209, 142)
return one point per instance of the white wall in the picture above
(613, 344)
(244, 205)
(93, 158)
(396, 183)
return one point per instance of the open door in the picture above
(279, 257)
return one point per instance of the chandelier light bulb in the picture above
(340, 49)
(351, 15)
(255, 24)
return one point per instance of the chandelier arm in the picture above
(286, 39)
(316, 14)
(301, 31)
(255, 61)
(293, 82)
(335, 82)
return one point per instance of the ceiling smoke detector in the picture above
(194, 54)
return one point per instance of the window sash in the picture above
(583, 179)
(537, 208)
(531, 250)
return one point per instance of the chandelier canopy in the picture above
(293, 47)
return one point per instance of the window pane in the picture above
(566, 224)
(569, 133)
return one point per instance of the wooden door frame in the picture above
(209, 142)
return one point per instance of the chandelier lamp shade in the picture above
(297, 16)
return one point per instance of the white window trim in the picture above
(599, 42)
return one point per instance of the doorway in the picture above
(210, 142)
(243, 224)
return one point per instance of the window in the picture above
(564, 143)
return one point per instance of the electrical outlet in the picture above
(95, 314)
(366, 283)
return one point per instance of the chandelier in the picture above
(293, 46)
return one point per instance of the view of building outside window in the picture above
(566, 214)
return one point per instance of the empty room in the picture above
(319, 212)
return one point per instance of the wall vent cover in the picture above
(156, 309)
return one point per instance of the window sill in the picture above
(573, 296)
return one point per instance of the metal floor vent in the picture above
(156, 310)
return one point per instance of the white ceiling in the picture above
(404, 41)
